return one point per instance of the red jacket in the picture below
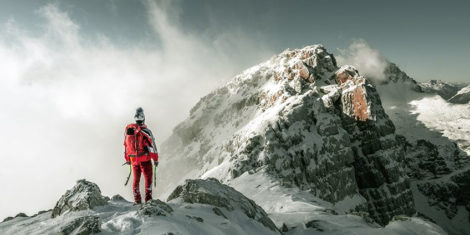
(150, 147)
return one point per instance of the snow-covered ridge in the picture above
(196, 207)
(196, 210)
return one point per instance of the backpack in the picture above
(134, 141)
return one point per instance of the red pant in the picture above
(146, 168)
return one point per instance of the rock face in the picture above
(394, 74)
(82, 226)
(83, 196)
(462, 96)
(212, 192)
(155, 208)
(16, 216)
(423, 160)
(308, 124)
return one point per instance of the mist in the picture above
(66, 98)
(369, 61)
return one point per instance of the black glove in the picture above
(155, 164)
(126, 163)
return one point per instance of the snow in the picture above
(295, 208)
(452, 120)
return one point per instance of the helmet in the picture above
(139, 115)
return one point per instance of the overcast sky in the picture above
(73, 72)
(428, 39)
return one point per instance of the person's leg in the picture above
(148, 172)
(135, 185)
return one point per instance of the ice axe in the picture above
(154, 175)
(130, 172)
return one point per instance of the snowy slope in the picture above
(194, 212)
(120, 216)
(299, 212)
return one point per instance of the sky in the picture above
(73, 72)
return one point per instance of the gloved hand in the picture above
(126, 163)
(155, 164)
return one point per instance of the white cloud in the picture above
(66, 97)
(369, 61)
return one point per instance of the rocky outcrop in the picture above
(448, 195)
(155, 208)
(212, 192)
(82, 226)
(83, 196)
(423, 160)
(378, 156)
(19, 215)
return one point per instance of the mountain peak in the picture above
(304, 122)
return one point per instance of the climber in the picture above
(140, 149)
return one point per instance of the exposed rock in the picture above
(212, 192)
(462, 96)
(83, 196)
(393, 74)
(155, 208)
(22, 215)
(218, 212)
(7, 219)
(315, 225)
(423, 160)
(82, 226)
(284, 228)
(42, 212)
(117, 197)
(198, 219)
(354, 98)
(447, 195)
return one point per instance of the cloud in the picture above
(66, 97)
(369, 61)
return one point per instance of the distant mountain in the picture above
(436, 137)
(445, 90)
